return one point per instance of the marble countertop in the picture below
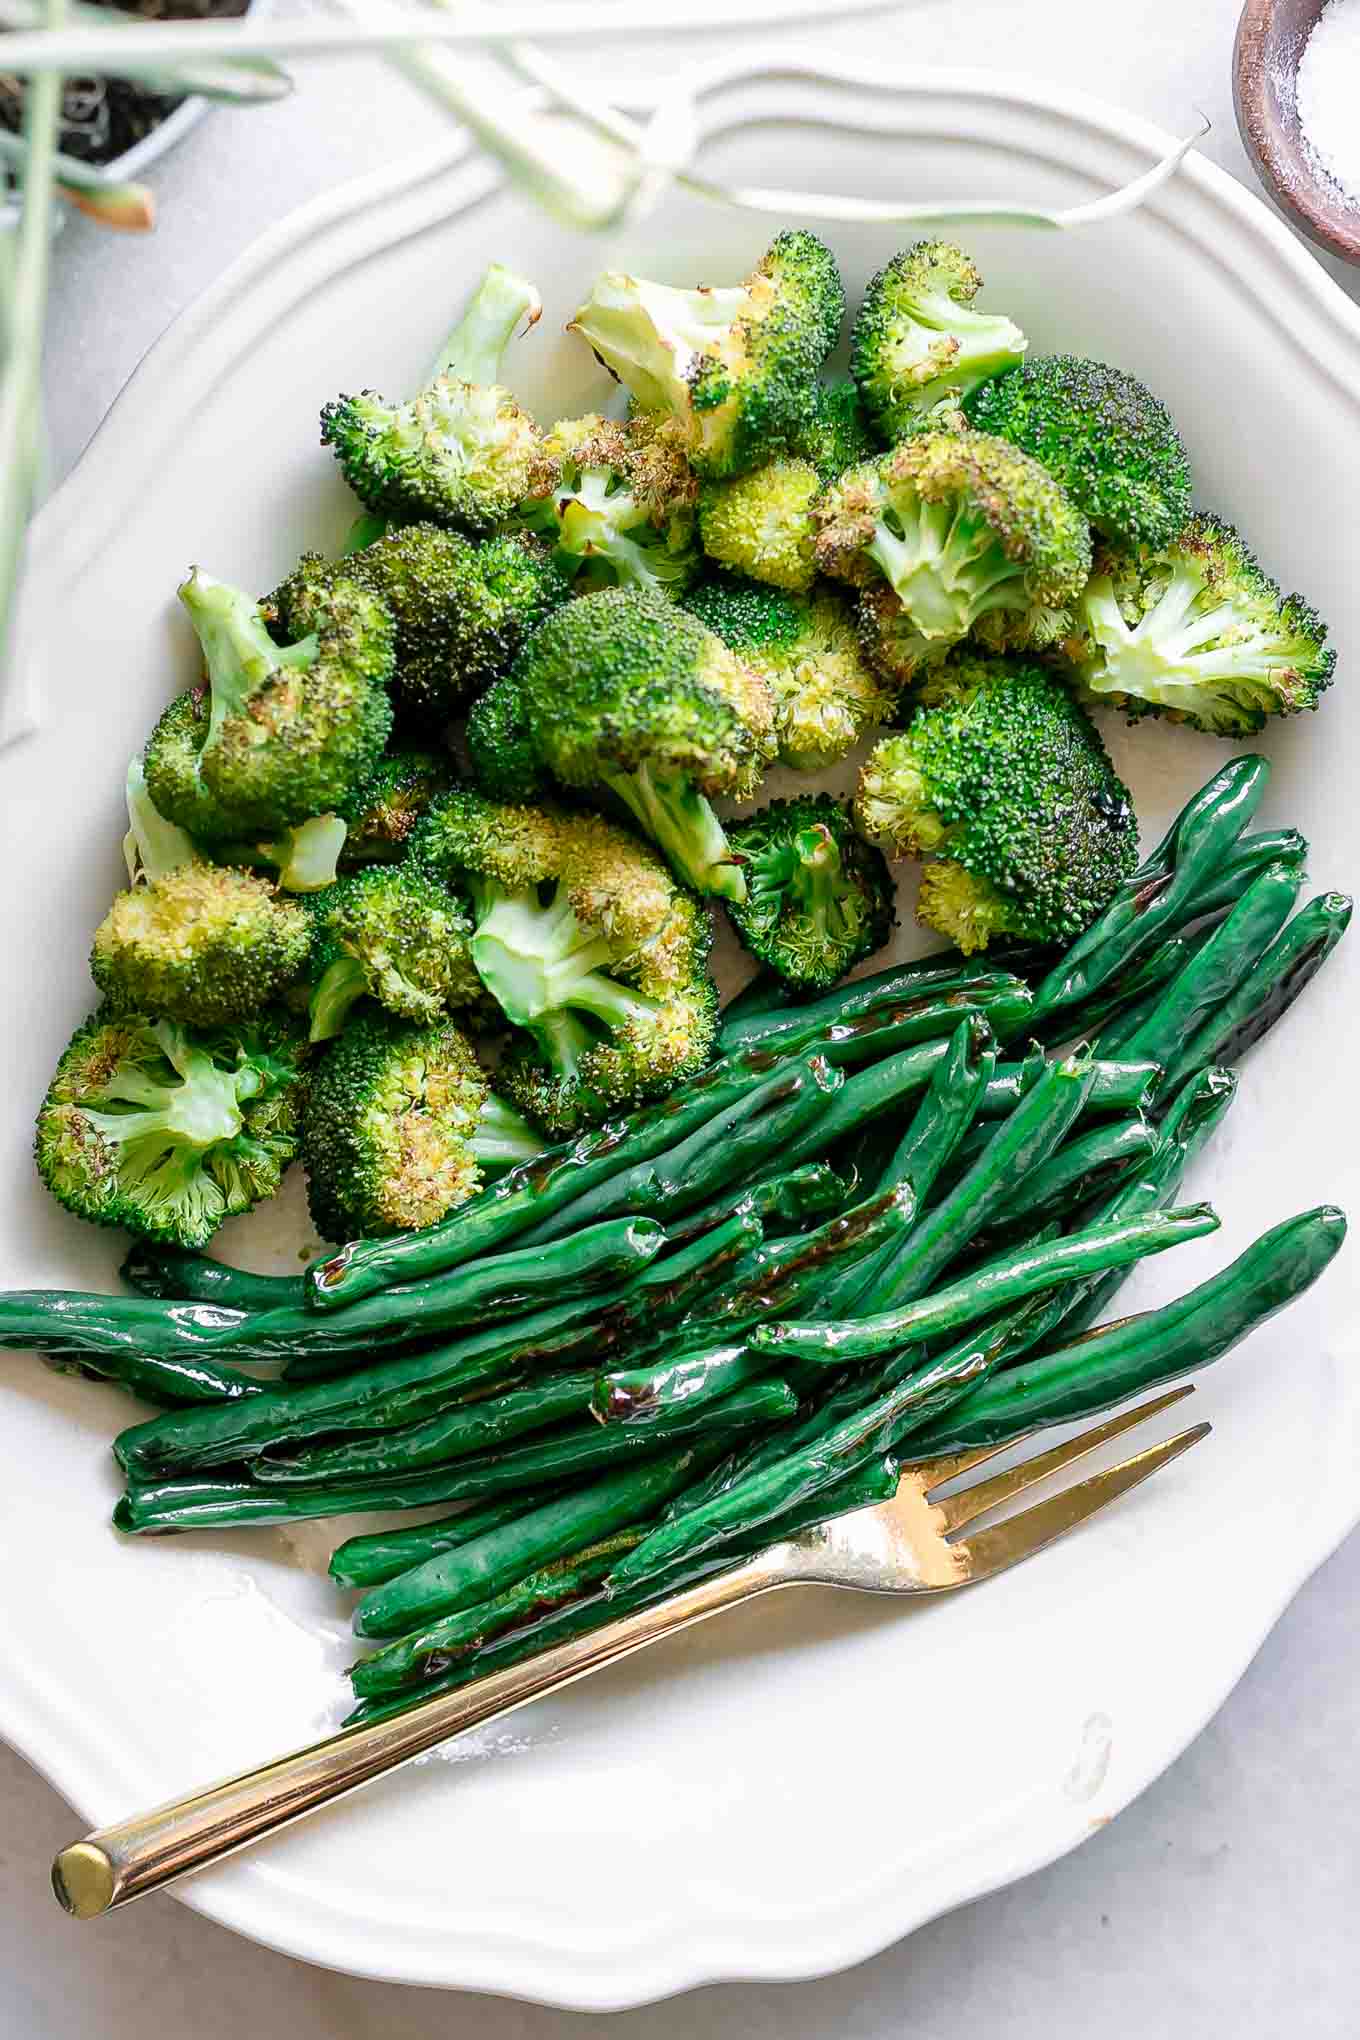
(1222, 1904)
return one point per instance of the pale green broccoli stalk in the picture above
(625, 693)
(968, 534)
(920, 339)
(1002, 782)
(591, 950)
(168, 1130)
(204, 944)
(287, 731)
(1197, 631)
(761, 524)
(616, 503)
(462, 451)
(819, 900)
(152, 846)
(736, 367)
(807, 650)
(391, 934)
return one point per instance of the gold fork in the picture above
(906, 1546)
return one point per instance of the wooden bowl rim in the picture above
(1298, 184)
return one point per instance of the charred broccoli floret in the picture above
(461, 610)
(818, 898)
(761, 523)
(285, 732)
(381, 814)
(630, 694)
(401, 1126)
(838, 434)
(592, 951)
(392, 934)
(500, 745)
(1001, 780)
(969, 535)
(736, 367)
(204, 944)
(1197, 631)
(1110, 442)
(462, 451)
(167, 1129)
(920, 339)
(616, 502)
(808, 651)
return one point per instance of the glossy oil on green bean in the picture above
(1268, 990)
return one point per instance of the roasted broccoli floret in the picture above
(968, 534)
(1001, 780)
(1197, 631)
(736, 367)
(204, 944)
(462, 451)
(392, 934)
(500, 745)
(807, 649)
(1109, 441)
(168, 1129)
(838, 434)
(592, 951)
(818, 898)
(152, 846)
(616, 502)
(761, 523)
(919, 338)
(461, 610)
(381, 814)
(401, 1126)
(624, 692)
(285, 732)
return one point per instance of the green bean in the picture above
(1010, 1082)
(1134, 1354)
(1268, 990)
(182, 1276)
(779, 1275)
(1152, 903)
(428, 1651)
(170, 1384)
(867, 1093)
(531, 1193)
(496, 1560)
(1215, 973)
(1087, 1157)
(1003, 1280)
(702, 1372)
(378, 1555)
(782, 1201)
(1224, 886)
(1144, 978)
(852, 1043)
(456, 1433)
(789, 1029)
(764, 993)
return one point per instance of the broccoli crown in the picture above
(920, 339)
(968, 532)
(838, 434)
(761, 523)
(166, 1129)
(617, 503)
(462, 610)
(818, 898)
(1197, 631)
(462, 451)
(394, 934)
(1109, 441)
(390, 1126)
(807, 650)
(590, 948)
(500, 745)
(625, 692)
(736, 367)
(381, 813)
(204, 944)
(1001, 775)
(286, 732)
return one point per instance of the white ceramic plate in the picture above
(791, 1789)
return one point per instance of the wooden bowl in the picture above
(1270, 41)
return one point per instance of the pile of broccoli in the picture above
(474, 781)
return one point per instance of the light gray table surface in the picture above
(1223, 1904)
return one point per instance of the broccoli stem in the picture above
(237, 649)
(680, 821)
(594, 523)
(946, 566)
(472, 353)
(152, 846)
(306, 858)
(809, 870)
(1164, 654)
(537, 960)
(503, 1139)
(339, 985)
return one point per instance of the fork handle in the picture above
(119, 1863)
